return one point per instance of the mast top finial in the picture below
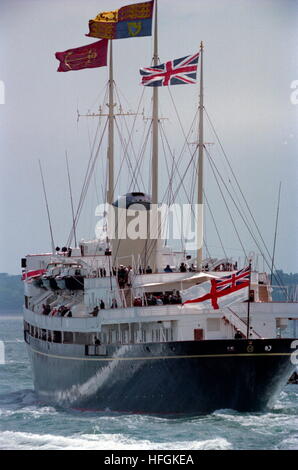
(202, 45)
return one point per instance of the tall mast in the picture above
(154, 172)
(110, 192)
(275, 233)
(200, 171)
(154, 162)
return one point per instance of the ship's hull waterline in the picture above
(176, 378)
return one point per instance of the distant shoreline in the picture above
(11, 313)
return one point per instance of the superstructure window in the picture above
(213, 324)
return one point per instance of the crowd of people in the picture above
(183, 268)
(226, 267)
(124, 276)
(160, 299)
(102, 306)
(61, 311)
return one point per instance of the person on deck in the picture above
(168, 269)
(182, 268)
(95, 311)
(238, 334)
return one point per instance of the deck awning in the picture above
(179, 283)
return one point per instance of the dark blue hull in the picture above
(186, 378)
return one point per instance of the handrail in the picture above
(241, 324)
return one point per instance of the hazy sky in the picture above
(251, 56)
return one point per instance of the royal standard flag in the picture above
(128, 22)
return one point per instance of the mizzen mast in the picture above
(200, 169)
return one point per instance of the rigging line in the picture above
(186, 136)
(142, 155)
(119, 241)
(192, 191)
(125, 155)
(105, 87)
(87, 170)
(120, 92)
(181, 183)
(91, 147)
(91, 172)
(236, 196)
(140, 159)
(71, 200)
(128, 160)
(168, 192)
(176, 165)
(237, 183)
(237, 208)
(215, 225)
(47, 207)
(275, 233)
(174, 162)
(196, 164)
(166, 163)
(152, 242)
(134, 181)
(130, 133)
(225, 202)
(87, 181)
(207, 250)
(246, 222)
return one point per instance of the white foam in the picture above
(289, 443)
(23, 440)
(29, 410)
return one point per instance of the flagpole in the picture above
(110, 191)
(248, 302)
(200, 169)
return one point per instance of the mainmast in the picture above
(154, 181)
(154, 163)
(200, 169)
(110, 191)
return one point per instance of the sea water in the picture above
(26, 424)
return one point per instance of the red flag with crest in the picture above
(85, 57)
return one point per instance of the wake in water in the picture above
(25, 424)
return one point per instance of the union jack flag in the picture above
(175, 72)
(213, 290)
